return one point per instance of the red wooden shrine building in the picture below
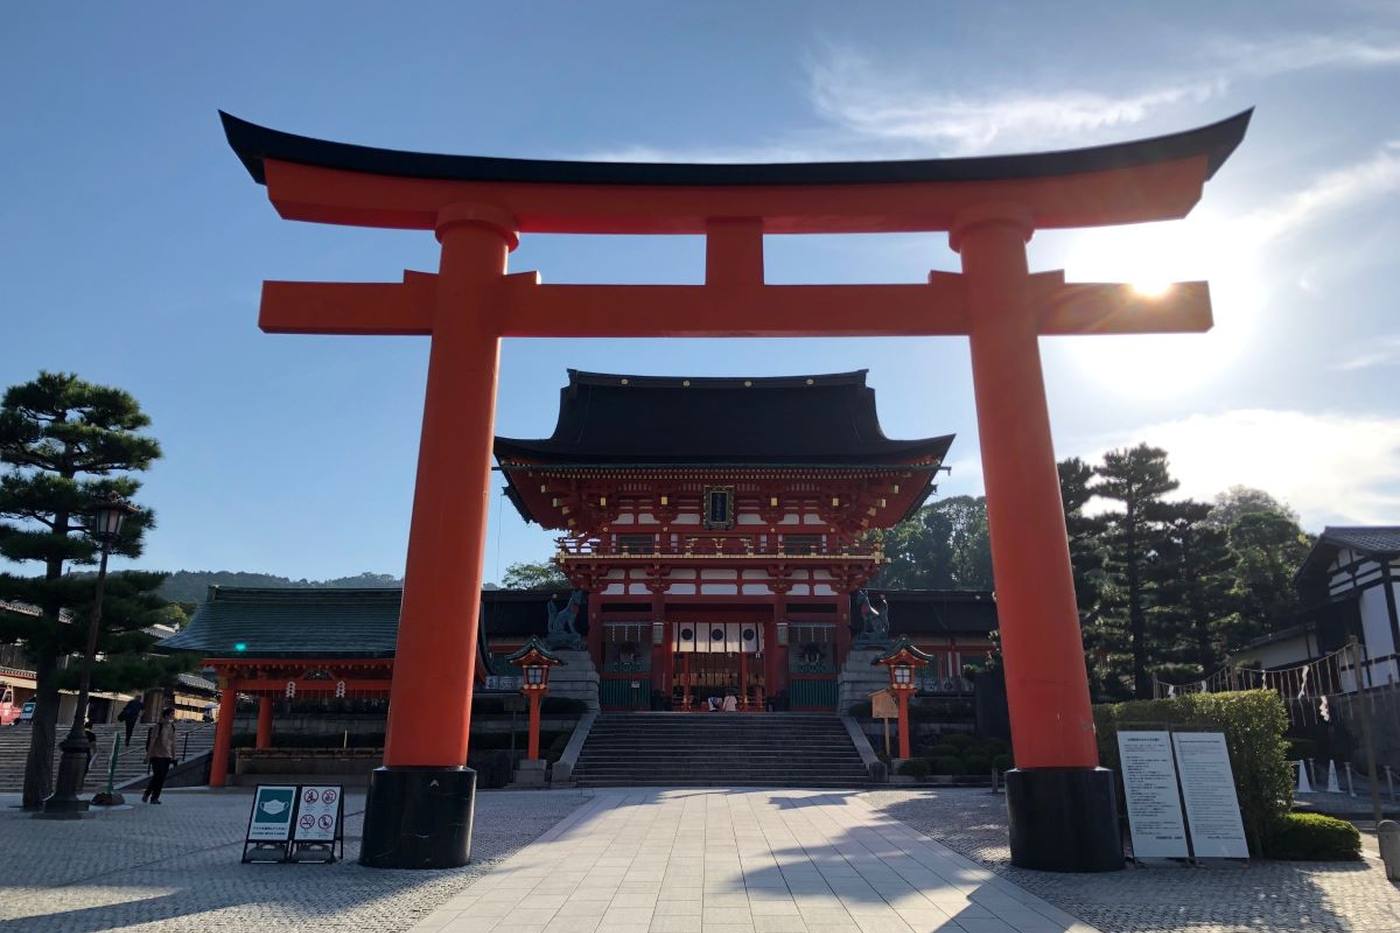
(719, 527)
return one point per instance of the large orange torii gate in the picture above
(419, 810)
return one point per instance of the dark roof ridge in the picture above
(583, 377)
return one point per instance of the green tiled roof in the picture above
(292, 622)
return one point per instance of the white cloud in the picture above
(853, 94)
(1332, 468)
(1384, 351)
(1300, 52)
(1333, 191)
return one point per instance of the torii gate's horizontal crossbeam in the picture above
(329, 182)
(528, 309)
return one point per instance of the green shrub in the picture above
(1313, 837)
(947, 764)
(492, 766)
(859, 710)
(959, 740)
(1253, 722)
(1301, 749)
(1003, 762)
(914, 767)
(992, 747)
(943, 750)
(977, 764)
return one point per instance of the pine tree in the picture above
(1193, 577)
(944, 545)
(1138, 478)
(1087, 554)
(67, 443)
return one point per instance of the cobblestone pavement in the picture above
(654, 860)
(176, 868)
(1262, 897)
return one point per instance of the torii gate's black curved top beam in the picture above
(254, 144)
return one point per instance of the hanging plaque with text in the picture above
(1208, 786)
(1149, 786)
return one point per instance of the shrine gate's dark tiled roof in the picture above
(651, 420)
(306, 622)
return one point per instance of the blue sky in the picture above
(135, 244)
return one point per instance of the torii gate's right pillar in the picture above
(1062, 807)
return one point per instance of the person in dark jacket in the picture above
(131, 715)
(160, 752)
(90, 734)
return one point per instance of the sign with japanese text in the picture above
(1208, 786)
(1150, 789)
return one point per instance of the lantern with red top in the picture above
(903, 661)
(534, 661)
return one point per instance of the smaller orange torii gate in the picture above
(1063, 812)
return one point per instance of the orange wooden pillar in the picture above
(533, 746)
(1062, 806)
(420, 805)
(223, 733)
(264, 736)
(903, 696)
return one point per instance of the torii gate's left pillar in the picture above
(418, 813)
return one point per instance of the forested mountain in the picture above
(190, 586)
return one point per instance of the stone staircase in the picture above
(193, 739)
(720, 750)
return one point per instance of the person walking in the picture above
(131, 715)
(90, 734)
(160, 752)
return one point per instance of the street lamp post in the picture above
(534, 661)
(63, 803)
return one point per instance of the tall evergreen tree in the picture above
(944, 545)
(1137, 477)
(67, 443)
(1087, 554)
(1193, 577)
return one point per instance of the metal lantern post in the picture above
(107, 517)
(902, 661)
(534, 662)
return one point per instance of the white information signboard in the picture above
(1149, 784)
(271, 820)
(318, 813)
(1208, 786)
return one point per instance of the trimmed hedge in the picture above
(948, 765)
(1253, 722)
(914, 767)
(944, 750)
(1313, 837)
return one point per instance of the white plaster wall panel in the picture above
(719, 589)
(820, 574)
(790, 519)
(1279, 654)
(617, 573)
(613, 589)
(681, 573)
(719, 574)
(646, 518)
(812, 520)
(681, 589)
(626, 518)
(755, 575)
(689, 518)
(823, 589)
(1375, 623)
(638, 589)
(756, 589)
(748, 518)
(801, 589)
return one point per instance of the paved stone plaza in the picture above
(175, 868)
(741, 861)
(648, 859)
(1262, 897)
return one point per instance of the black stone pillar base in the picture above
(419, 818)
(64, 803)
(1064, 819)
